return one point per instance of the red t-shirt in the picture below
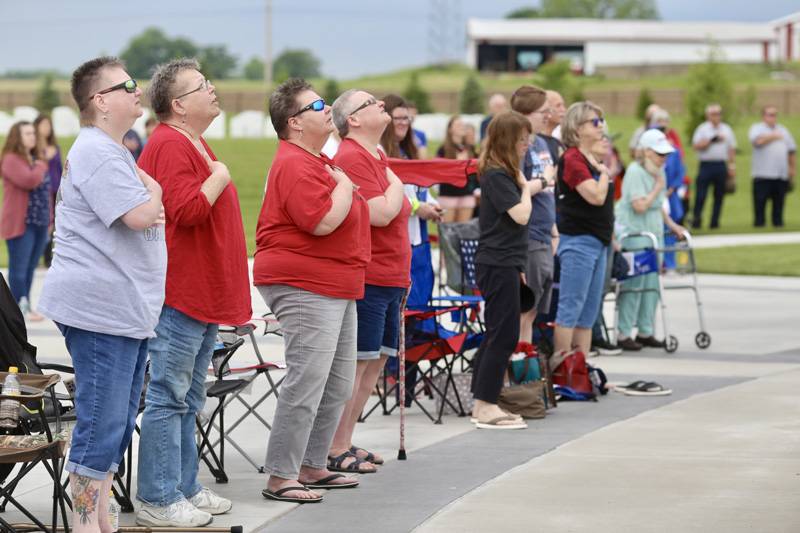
(298, 197)
(207, 275)
(576, 168)
(391, 250)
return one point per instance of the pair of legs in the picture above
(769, 190)
(457, 208)
(711, 173)
(583, 270)
(24, 253)
(500, 287)
(109, 374)
(638, 309)
(378, 338)
(319, 335)
(539, 275)
(179, 358)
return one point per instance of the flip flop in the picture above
(494, 423)
(370, 458)
(325, 483)
(335, 464)
(650, 388)
(278, 495)
(632, 385)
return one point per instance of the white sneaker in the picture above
(207, 501)
(179, 514)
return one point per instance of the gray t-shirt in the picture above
(105, 277)
(771, 160)
(716, 151)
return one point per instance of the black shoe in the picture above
(604, 347)
(630, 345)
(650, 342)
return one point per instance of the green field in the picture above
(249, 162)
(763, 260)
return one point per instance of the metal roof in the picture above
(549, 31)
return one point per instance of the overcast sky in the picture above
(350, 37)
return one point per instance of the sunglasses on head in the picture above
(316, 105)
(129, 86)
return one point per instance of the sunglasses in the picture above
(364, 105)
(129, 86)
(203, 85)
(316, 105)
(401, 119)
(596, 122)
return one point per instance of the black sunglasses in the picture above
(129, 86)
(316, 105)
(362, 106)
(596, 122)
(203, 85)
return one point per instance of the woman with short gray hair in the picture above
(312, 250)
(207, 260)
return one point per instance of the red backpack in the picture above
(573, 372)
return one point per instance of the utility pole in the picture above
(268, 44)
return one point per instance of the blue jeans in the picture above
(109, 374)
(179, 358)
(24, 253)
(583, 270)
(378, 321)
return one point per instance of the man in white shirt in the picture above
(715, 144)
(773, 165)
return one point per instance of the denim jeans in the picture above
(24, 253)
(583, 271)
(179, 358)
(319, 335)
(109, 373)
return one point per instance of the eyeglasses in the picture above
(368, 103)
(316, 105)
(129, 86)
(204, 85)
(596, 122)
(401, 119)
(545, 111)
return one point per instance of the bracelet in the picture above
(544, 182)
(414, 206)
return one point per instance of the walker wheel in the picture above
(672, 344)
(703, 340)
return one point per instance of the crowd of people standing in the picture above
(147, 235)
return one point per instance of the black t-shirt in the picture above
(446, 189)
(503, 242)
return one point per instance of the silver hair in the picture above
(712, 107)
(576, 115)
(162, 85)
(659, 115)
(341, 110)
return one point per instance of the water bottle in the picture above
(113, 511)
(9, 409)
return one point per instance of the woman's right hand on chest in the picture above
(338, 175)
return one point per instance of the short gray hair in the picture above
(576, 115)
(713, 107)
(283, 104)
(659, 115)
(341, 111)
(162, 85)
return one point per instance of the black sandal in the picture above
(335, 464)
(278, 495)
(326, 483)
(370, 458)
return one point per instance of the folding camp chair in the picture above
(30, 447)
(229, 384)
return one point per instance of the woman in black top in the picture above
(459, 202)
(500, 261)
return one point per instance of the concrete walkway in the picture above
(719, 454)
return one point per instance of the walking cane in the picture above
(401, 371)
(146, 529)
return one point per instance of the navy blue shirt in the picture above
(39, 203)
(543, 204)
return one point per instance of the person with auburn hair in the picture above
(26, 211)
(500, 261)
(207, 260)
(585, 207)
(106, 285)
(313, 246)
(459, 202)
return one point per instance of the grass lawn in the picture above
(249, 160)
(762, 260)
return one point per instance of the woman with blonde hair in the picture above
(500, 261)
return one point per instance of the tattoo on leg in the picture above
(84, 498)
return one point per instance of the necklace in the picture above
(195, 142)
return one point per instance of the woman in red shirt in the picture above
(313, 246)
(26, 211)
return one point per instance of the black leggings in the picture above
(500, 288)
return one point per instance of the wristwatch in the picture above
(544, 182)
